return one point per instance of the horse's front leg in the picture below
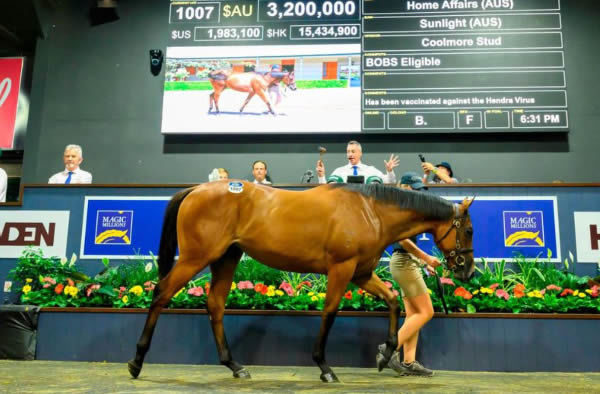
(211, 99)
(250, 95)
(338, 278)
(374, 285)
(222, 275)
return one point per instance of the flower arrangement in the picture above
(537, 286)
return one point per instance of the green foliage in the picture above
(182, 85)
(255, 272)
(533, 286)
(205, 85)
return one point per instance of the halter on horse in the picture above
(250, 82)
(339, 230)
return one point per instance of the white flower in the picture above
(148, 267)
(571, 256)
(73, 259)
(63, 260)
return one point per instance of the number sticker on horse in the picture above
(236, 187)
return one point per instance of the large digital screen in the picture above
(376, 66)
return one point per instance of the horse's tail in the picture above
(168, 237)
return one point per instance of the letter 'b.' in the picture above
(156, 60)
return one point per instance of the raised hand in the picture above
(427, 167)
(320, 168)
(391, 163)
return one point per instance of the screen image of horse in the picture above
(262, 94)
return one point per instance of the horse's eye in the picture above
(469, 231)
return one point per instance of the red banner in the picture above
(10, 84)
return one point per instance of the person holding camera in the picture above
(442, 173)
(356, 168)
(405, 266)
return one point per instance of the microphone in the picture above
(308, 175)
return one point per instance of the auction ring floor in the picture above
(81, 377)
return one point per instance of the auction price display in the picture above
(382, 66)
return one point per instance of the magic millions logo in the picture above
(523, 228)
(113, 227)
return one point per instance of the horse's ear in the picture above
(467, 202)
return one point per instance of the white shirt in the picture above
(3, 182)
(264, 182)
(79, 176)
(362, 169)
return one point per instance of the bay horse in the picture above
(249, 82)
(339, 230)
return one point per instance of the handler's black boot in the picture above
(412, 369)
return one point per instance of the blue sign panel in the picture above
(122, 226)
(504, 227)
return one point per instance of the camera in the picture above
(422, 158)
(156, 60)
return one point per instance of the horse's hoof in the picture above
(382, 361)
(329, 377)
(134, 369)
(242, 374)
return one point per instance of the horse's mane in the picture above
(433, 207)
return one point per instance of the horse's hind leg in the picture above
(338, 277)
(181, 273)
(222, 275)
(211, 99)
(374, 285)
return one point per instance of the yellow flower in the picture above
(576, 293)
(474, 292)
(278, 292)
(26, 289)
(314, 298)
(271, 287)
(430, 292)
(28, 280)
(311, 293)
(589, 291)
(179, 292)
(486, 290)
(535, 294)
(233, 286)
(71, 290)
(322, 295)
(125, 299)
(581, 295)
(270, 291)
(137, 290)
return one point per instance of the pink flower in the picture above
(196, 291)
(502, 294)
(287, 288)
(493, 287)
(48, 279)
(245, 285)
(90, 289)
(447, 281)
(395, 292)
(46, 285)
(543, 292)
(388, 284)
(149, 286)
(554, 287)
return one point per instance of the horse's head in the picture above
(456, 241)
(290, 80)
